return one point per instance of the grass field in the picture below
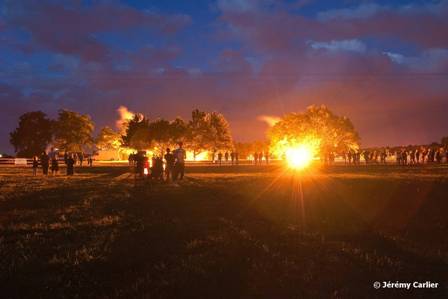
(224, 232)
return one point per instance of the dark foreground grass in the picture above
(230, 232)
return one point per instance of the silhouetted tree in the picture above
(137, 133)
(220, 137)
(208, 131)
(73, 131)
(33, 134)
(444, 141)
(198, 130)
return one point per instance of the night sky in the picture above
(384, 64)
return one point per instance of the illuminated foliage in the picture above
(318, 126)
(108, 139)
(208, 131)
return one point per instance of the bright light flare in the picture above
(299, 157)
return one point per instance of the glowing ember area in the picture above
(299, 157)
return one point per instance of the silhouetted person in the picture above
(255, 158)
(260, 157)
(179, 165)
(438, 156)
(266, 157)
(157, 169)
(81, 158)
(70, 165)
(404, 157)
(232, 157)
(54, 166)
(366, 156)
(220, 158)
(412, 157)
(226, 156)
(169, 166)
(45, 161)
(139, 162)
(35, 165)
(90, 161)
(65, 157)
(383, 157)
(424, 155)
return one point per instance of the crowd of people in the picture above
(233, 157)
(403, 156)
(167, 167)
(257, 158)
(50, 162)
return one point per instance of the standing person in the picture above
(139, 160)
(54, 165)
(220, 158)
(81, 158)
(90, 161)
(412, 157)
(70, 165)
(35, 165)
(44, 160)
(383, 157)
(266, 157)
(169, 165)
(417, 156)
(424, 154)
(226, 156)
(232, 157)
(404, 157)
(349, 157)
(157, 168)
(439, 156)
(179, 155)
(255, 158)
(366, 156)
(237, 158)
(65, 157)
(260, 157)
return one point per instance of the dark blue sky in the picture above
(384, 64)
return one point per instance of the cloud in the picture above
(352, 45)
(240, 6)
(78, 27)
(362, 11)
(431, 60)
(395, 57)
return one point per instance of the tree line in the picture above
(73, 132)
